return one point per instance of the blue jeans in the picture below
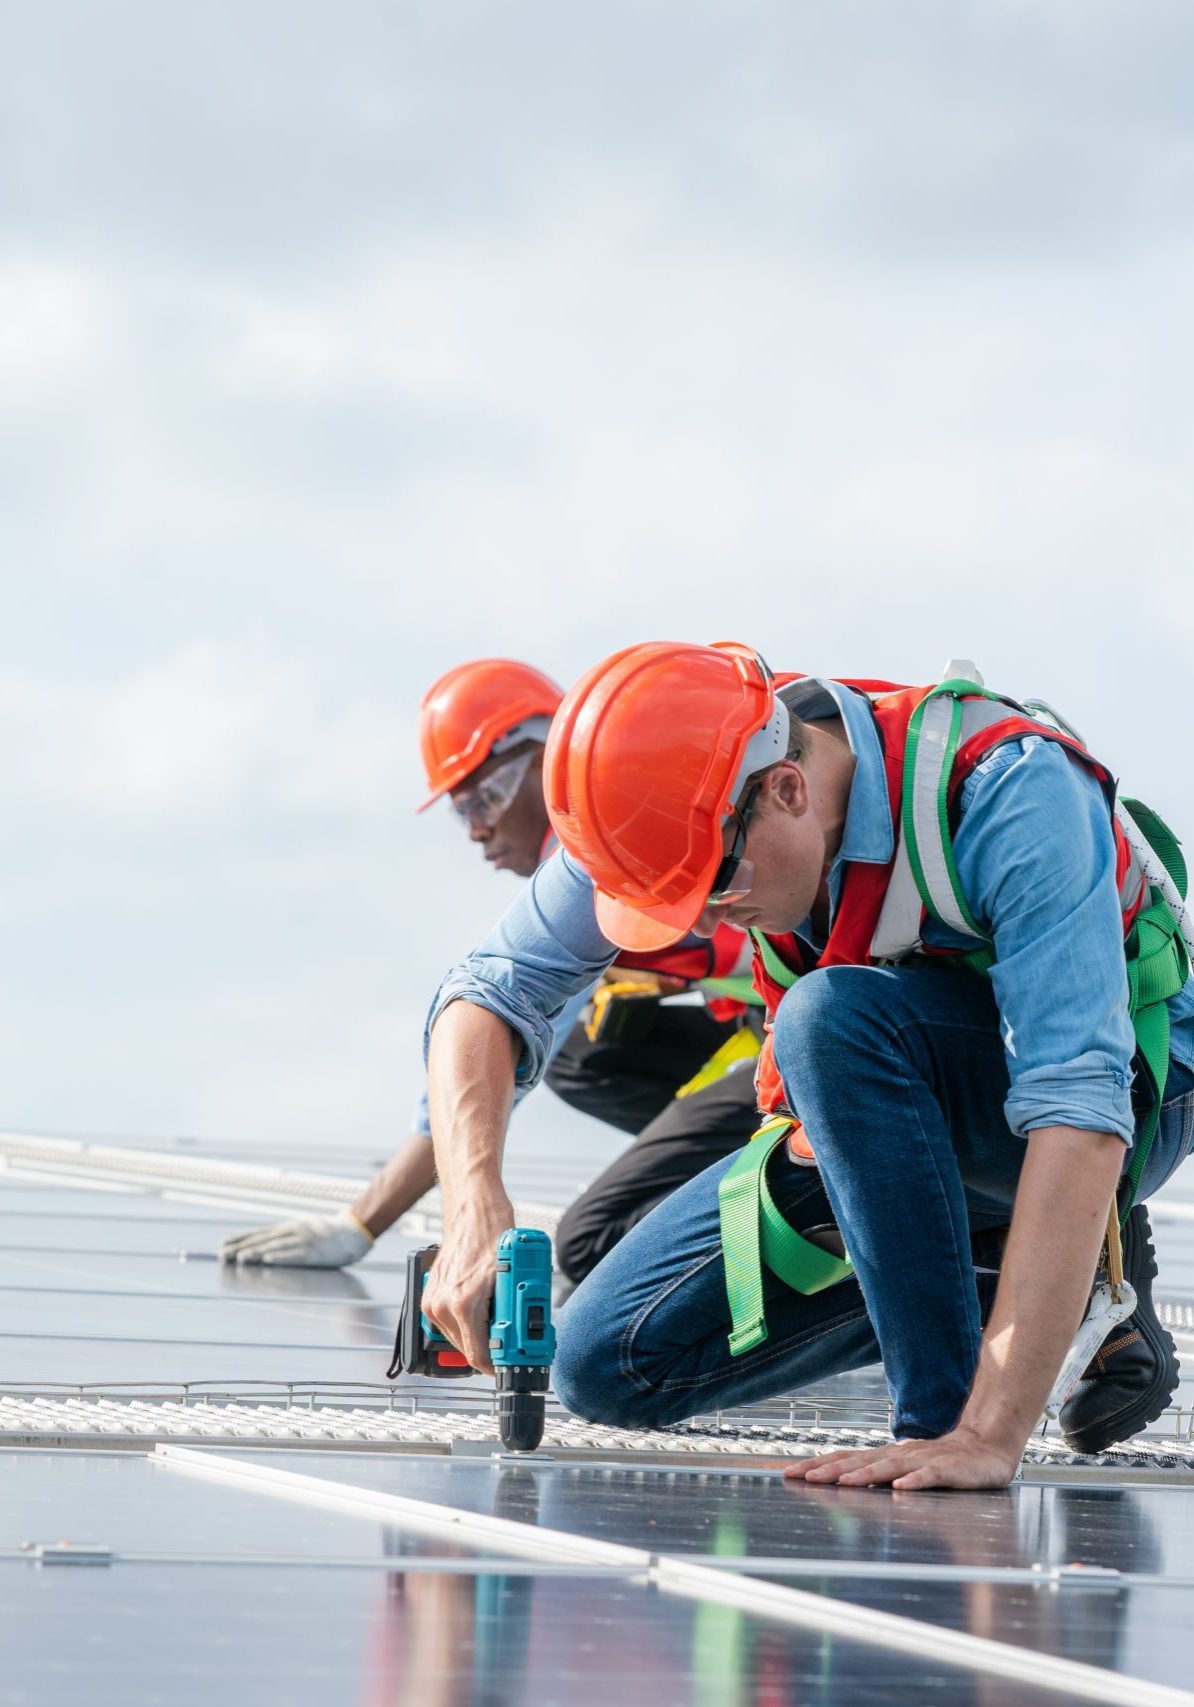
(900, 1077)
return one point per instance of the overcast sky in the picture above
(340, 343)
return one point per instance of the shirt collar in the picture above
(867, 833)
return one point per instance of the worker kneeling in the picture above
(964, 943)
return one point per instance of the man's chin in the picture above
(772, 924)
(517, 866)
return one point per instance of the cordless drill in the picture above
(522, 1341)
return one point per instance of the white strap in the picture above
(963, 670)
(897, 934)
(926, 781)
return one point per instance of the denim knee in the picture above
(821, 1021)
(590, 1381)
(581, 1376)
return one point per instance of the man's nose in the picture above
(480, 832)
(708, 921)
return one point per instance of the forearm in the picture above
(470, 1084)
(470, 1088)
(402, 1182)
(1060, 1215)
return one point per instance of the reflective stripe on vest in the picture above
(958, 725)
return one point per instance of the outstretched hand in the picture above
(960, 1459)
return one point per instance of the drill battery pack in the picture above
(420, 1348)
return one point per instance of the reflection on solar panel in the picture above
(247, 1507)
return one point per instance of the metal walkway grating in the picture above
(38, 1420)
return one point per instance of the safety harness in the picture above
(950, 729)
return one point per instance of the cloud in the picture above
(52, 327)
(200, 735)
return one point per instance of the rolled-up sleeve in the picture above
(561, 1025)
(1035, 854)
(536, 966)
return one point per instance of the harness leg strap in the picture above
(754, 1233)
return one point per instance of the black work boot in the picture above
(1132, 1376)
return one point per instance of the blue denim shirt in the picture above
(1036, 858)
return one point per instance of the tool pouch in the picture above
(622, 1012)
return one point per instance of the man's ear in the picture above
(788, 787)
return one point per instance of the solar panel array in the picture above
(207, 1489)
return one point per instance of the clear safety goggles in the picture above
(482, 803)
(734, 876)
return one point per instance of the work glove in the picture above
(310, 1241)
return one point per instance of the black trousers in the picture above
(632, 1086)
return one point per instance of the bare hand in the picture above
(460, 1285)
(959, 1459)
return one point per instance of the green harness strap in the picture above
(1157, 970)
(754, 1233)
(776, 969)
(738, 989)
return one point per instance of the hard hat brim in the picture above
(644, 929)
(431, 799)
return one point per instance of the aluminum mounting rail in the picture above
(195, 1179)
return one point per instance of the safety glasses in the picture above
(734, 876)
(482, 803)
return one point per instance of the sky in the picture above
(341, 343)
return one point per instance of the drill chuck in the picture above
(522, 1403)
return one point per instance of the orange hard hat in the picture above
(647, 754)
(477, 709)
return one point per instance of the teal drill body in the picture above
(520, 1329)
(522, 1339)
